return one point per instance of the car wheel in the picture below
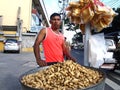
(4, 51)
(18, 51)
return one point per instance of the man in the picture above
(116, 40)
(67, 45)
(53, 43)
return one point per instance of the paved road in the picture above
(13, 65)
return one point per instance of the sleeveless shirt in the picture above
(52, 45)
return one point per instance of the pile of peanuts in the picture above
(67, 75)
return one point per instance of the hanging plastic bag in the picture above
(103, 15)
(97, 50)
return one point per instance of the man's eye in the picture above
(56, 19)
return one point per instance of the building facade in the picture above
(22, 20)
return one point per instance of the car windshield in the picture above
(109, 43)
(11, 41)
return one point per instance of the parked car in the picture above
(110, 44)
(11, 45)
(109, 60)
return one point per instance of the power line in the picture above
(115, 5)
(112, 3)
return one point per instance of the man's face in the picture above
(55, 22)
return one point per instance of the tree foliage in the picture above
(116, 21)
(115, 25)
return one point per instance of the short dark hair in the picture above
(55, 14)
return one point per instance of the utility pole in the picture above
(63, 5)
(19, 24)
(63, 18)
(86, 44)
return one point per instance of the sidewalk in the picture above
(12, 66)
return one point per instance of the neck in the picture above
(55, 30)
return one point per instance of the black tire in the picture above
(4, 51)
(18, 51)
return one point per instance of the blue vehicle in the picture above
(35, 24)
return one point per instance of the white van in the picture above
(109, 61)
(110, 44)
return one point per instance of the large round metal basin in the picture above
(98, 86)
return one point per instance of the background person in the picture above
(53, 43)
(67, 45)
(116, 40)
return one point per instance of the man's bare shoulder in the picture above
(43, 30)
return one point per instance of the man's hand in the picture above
(73, 59)
(41, 63)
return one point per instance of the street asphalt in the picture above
(12, 66)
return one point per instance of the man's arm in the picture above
(36, 48)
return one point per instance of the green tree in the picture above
(116, 21)
(115, 25)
